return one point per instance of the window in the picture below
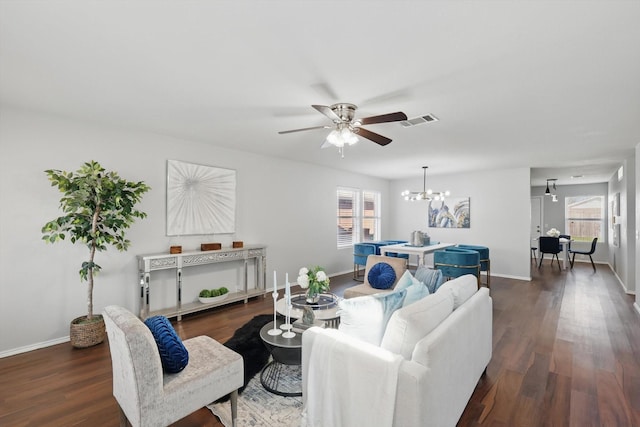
(584, 217)
(370, 216)
(358, 216)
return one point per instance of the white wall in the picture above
(622, 258)
(500, 215)
(288, 206)
(637, 230)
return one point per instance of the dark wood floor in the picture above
(566, 353)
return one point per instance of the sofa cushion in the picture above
(381, 276)
(410, 324)
(416, 290)
(366, 317)
(173, 354)
(431, 278)
(462, 288)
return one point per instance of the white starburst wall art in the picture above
(200, 199)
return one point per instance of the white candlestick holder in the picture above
(289, 333)
(275, 330)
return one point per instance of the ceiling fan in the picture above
(345, 127)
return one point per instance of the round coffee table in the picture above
(286, 353)
(326, 310)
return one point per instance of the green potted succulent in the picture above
(98, 207)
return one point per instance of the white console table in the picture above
(149, 263)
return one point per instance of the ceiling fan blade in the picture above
(384, 118)
(327, 111)
(375, 137)
(325, 89)
(300, 130)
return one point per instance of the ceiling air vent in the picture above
(419, 120)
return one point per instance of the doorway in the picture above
(536, 220)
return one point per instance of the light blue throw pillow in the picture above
(416, 290)
(404, 281)
(366, 317)
(431, 278)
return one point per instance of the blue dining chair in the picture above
(485, 262)
(456, 262)
(394, 254)
(361, 252)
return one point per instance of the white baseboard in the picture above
(31, 347)
(622, 285)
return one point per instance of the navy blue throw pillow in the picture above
(173, 354)
(381, 276)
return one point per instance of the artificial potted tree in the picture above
(98, 207)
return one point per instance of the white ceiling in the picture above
(551, 85)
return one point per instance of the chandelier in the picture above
(424, 194)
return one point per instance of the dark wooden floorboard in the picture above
(566, 352)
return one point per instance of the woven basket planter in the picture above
(86, 334)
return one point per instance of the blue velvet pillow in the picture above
(381, 276)
(173, 354)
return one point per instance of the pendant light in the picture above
(425, 194)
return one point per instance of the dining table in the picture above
(420, 251)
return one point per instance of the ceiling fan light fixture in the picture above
(334, 138)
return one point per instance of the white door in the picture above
(536, 218)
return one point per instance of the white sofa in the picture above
(440, 346)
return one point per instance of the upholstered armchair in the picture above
(149, 397)
(399, 265)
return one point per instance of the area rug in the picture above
(259, 408)
(246, 341)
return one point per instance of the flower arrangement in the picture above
(315, 281)
(553, 233)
